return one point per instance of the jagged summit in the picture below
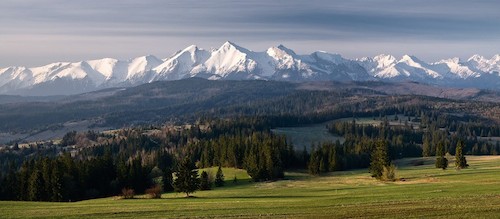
(231, 61)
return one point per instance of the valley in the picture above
(249, 109)
(93, 149)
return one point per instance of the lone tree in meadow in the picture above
(441, 161)
(205, 183)
(187, 177)
(460, 161)
(379, 159)
(219, 177)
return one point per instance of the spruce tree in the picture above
(314, 163)
(187, 177)
(219, 177)
(167, 180)
(10, 185)
(460, 161)
(36, 189)
(426, 146)
(205, 183)
(441, 161)
(332, 161)
(379, 159)
(56, 185)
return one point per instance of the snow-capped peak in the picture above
(228, 45)
(137, 68)
(485, 65)
(454, 67)
(279, 52)
(231, 61)
(411, 60)
(496, 58)
(384, 60)
(380, 66)
(191, 48)
(181, 64)
(476, 58)
(104, 66)
(230, 58)
(286, 50)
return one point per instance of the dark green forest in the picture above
(228, 124)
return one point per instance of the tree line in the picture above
(90, 165)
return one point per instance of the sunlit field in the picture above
(423, 191)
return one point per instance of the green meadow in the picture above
(422, 192)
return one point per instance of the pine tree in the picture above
(304, 157)
(332, 161)
(379, 159)
(167, 180)
(219, 177)
(205, 183)
(10, 184)
(251, 162)
(36, 189)
(56, 185)
(441, 161)
(460, 161)
(426, 147)
(187, 177)
(314, 163)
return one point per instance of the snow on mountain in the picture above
(380, 66)
(230, 58)
(231, 61)
(415, 68)
(181, 64)
(138, 69)
(455, 68)
(486, 65)
(104, 66)
(15, 77)
(328, 57)
(286, 64)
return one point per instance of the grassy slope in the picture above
(305, 136)
(426, 192)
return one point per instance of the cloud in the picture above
(53, 30)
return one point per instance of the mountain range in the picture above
(233, 62)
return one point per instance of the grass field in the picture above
(305, 136)
(425, 192)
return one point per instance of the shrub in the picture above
(417, 162)
(154, 192)
(128, 193)
(441, 162)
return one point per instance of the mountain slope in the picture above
(234, 62)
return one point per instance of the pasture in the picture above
(423, 192)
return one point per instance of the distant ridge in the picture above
(234, 62)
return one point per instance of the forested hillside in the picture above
(227, 124)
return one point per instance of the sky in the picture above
(38, 32)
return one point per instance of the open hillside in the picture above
(423, 191)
